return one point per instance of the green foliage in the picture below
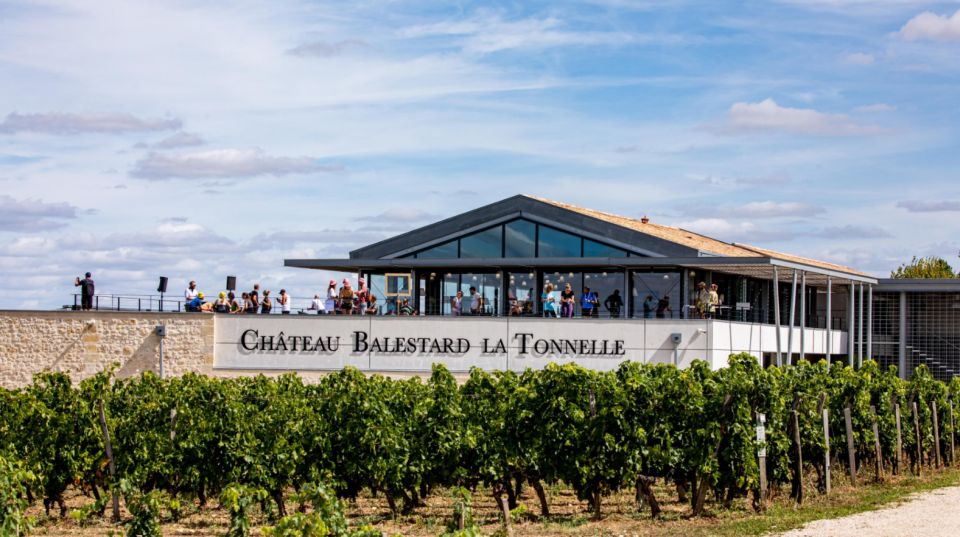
(237, 500)
(249, 440)
(14, 480)
(326, 519)
(924, 267)
(145, 509)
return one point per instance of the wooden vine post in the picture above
(825, 414)
(877, 452)
(851, 449)
(797, 485)
(916, 430)
(936, 434)
(898, 458)
(111, 464)
(953, 433)
(762, 458)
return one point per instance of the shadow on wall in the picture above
(145, 358)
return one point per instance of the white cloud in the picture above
(931, 26)
(400, 215)
(31, 215)
(180, 139)
(223, 163)
(730, 231)
(757, 209)
(930, 206)
(851, 232)
(859, 58)
(326, 49)
(486, 33)
(767, 115)
(60, 123)
(878, 107)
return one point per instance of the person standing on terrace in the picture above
(456, 304)
(284, 300)
(347, 296)
(549, 302)
(255, 298)
(567, 300)
(589, 303)
(267, 303)
(702, 300)
(86, 291)
(613, 303)
(331, 303)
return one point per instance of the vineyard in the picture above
(298, 452)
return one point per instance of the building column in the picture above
(860, 328)
(803, 314)
(627, 295)
(870, 322)
(793, 317)
(828, 325)
(776, 311)
(851, 330)
(902, 340)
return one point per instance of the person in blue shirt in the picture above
(589, 303)
(196, 303)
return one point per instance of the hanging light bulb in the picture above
(604, 274)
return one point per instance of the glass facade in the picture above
(518, 239)
(607, 287)
(488, 243)
(555, 243)
(522, 296)
(656, 295)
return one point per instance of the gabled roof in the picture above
(703, 243)
(644, 238)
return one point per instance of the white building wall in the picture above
(642, 340)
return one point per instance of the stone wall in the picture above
(84, 343)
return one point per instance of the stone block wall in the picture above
(84, 343)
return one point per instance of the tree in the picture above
(924, 267)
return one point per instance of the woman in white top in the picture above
(456, 304)
(331, 304)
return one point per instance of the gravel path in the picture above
(931, 514)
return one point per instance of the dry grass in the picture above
(569, 516)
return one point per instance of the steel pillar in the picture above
(776, 311)
(860, 328)
(851, 330)
(792, 316)
(803, 314)
(828, 325)
(902, 330)
(870, 322)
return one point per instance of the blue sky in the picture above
(200, 139)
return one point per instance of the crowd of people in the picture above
(345, 300)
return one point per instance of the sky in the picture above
(196, 140)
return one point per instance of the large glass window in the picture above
(486, 243)
(559, 281)
(656, 295)
(487, 285)
(522, 294)
(596, 249)
(556, 243)
(447, 250)
(607, 287)
(520, 239)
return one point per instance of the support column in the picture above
(851, 330)
(860, 328)
(902, 339)
(776, 311)
(828, 325)
(793, 317)
(627, 295)
(870, 322)
(803, 314)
